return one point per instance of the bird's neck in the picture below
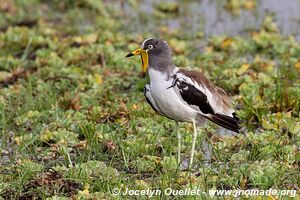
(162, 63)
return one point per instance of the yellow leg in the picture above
(179, 143)
(193, 144)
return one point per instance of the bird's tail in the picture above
(230, 123)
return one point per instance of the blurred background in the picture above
(73, 118)
(197, 18)
(211, 18)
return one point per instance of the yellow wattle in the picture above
(144, 57)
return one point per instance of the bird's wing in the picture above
(202, 95)
(150, 99)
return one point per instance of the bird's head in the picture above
(152, 49)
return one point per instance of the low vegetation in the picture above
(74, 121)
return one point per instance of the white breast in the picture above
(167, 100)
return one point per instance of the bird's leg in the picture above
(193, 144)
(179, 142)
(206, 149)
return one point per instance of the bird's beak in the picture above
(144, 57)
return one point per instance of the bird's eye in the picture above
(150, 46)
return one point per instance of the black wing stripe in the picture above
(193, 96)
(148, 100)
(232, 120)
(227, 122)
(152, 106)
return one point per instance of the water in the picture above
(211, 18)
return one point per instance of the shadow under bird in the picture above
(183, 95)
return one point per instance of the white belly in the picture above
(167, 100)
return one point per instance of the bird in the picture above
(183, 95)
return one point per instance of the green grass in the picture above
(74, 121)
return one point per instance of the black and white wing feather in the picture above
(207, 99)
